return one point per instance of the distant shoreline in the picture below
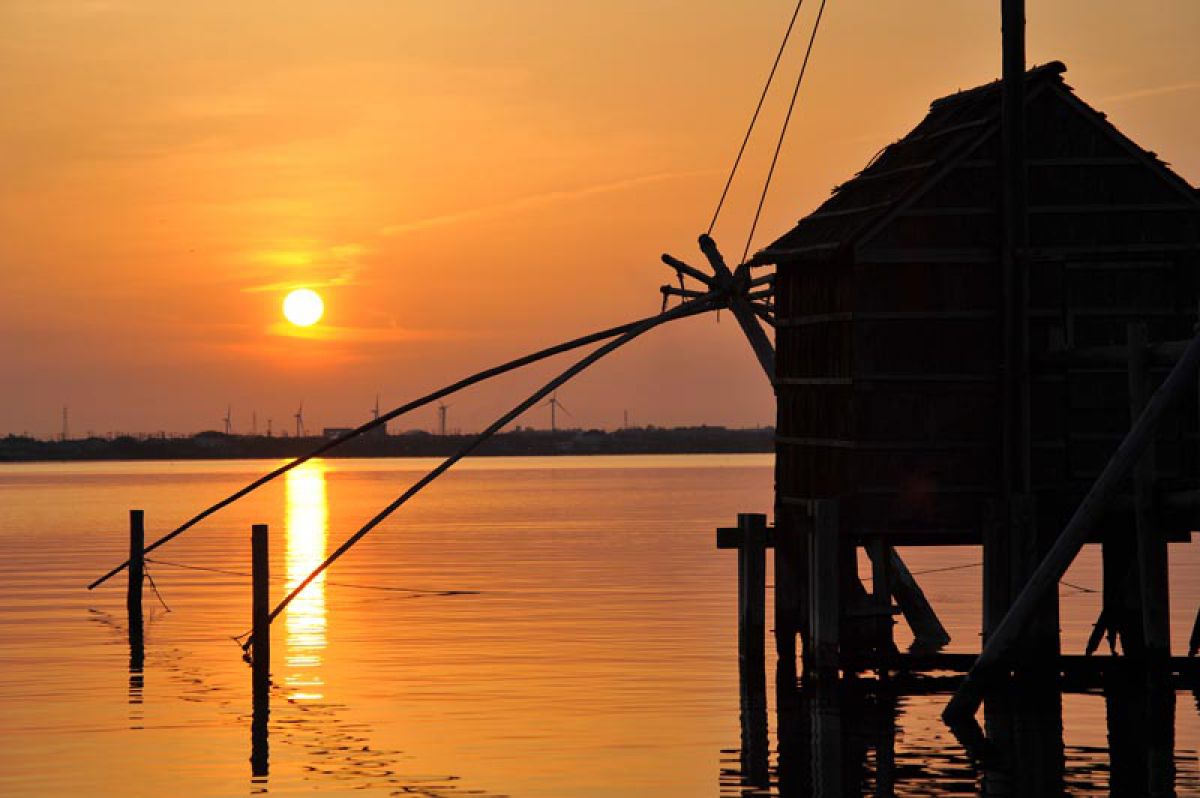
(521, 442)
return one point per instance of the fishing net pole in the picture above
(466, 382)
(708, 302)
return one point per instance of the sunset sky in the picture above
(462, 181)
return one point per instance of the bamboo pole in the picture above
(693, 308)
(377, 422)
(739, 305)
(995, 652)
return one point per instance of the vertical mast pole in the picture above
(1005, 535)
(1016, 235)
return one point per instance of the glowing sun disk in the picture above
(303, 307)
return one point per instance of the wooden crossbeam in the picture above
(732, 537)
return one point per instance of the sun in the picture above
(303, 307)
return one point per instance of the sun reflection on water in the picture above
(305, 623)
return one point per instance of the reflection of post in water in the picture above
(305, 621)
(827, 732)
(260, 749)
(1025, 740)
(752, 677)
(1141, 733)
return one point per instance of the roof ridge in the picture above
(1051, 69)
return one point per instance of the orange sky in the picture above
(463, 181)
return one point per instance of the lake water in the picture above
(526, 627)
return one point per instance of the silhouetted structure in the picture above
(894, 381)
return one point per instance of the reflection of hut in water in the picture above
(895, 393)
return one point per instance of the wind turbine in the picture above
(382, 430)
(299, 416)
(442, 408)
(228, 419)
(555, 406)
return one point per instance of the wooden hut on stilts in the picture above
(925, 397)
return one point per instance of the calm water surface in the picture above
(526, 627)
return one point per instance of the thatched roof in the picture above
(957, 126)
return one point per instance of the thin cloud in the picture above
(1154, 91)
(324, 267)
(343, 279)
(537, 201)
(360, 335)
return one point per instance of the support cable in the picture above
(783, 131)
(381, 420)
(692, 308)
(754, 119)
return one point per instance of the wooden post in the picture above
(997, 567)
(752, 588)
(881, 598)
(824, 602)
(790, 572)
(927, 629)
(260, 637)
(1121, 615)
(1037, 654)
(1015, 284)
(1153, 578)
(755, 749)
(995, 652)
(133, 597)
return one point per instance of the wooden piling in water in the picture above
(752, 589)
(1153, 579)
(824, 583)
(881, 598)
(260, 634)
(928, 631)
(133, 595)
(260, 638)
(790, 571)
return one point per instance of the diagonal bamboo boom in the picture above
(383, 419)
(992, 659)
(740, 306)
(680, 266)
(692, 308)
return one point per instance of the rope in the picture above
(783, 131)
(754, 119)
(154, 587)
(416, 591)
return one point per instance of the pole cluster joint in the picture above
(728, 288)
